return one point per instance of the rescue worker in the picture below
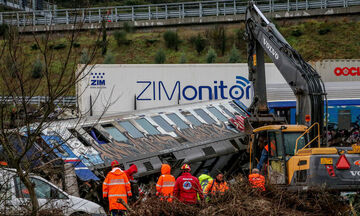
(257, 180)
(187, 187)
(204, 179)
(116, 186)
(265, 153)
(135, 190)
(165, 184)
(216, 186)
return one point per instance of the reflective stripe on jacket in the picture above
(204, 180)
(116, 185)
(257, 181)
(165, 184)
(216, 187)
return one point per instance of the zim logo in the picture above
(97, 79)
(187, 185)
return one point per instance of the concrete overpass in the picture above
(162, 15)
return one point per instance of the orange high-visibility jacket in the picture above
(116, 185)
(215, 187)
(257, 181)
(166, 183)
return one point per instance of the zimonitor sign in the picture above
(122, 88)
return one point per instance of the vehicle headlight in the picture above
(101, 211)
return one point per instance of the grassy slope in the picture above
(341, 42)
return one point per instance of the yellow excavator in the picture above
(297, 156)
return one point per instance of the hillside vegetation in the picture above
(314, 40)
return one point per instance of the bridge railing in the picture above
(161, 11)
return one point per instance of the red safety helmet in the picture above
(185, 167)
(115, 163)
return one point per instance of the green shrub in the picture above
(234, 55)
(128, 27)
(76, 44)
(120, 38)
(324, 30)
(239, 37)
(182, 58)
(211, 56)
(296, 33)
(150, 42)
(218, 37)
(200, 43)
(37, 69)
(85, 59)
(160, 57)
(93, 31)
(3, 29)
(109, 58)
(134, 2)
(59, 46)
(34, 47)
(172, 40)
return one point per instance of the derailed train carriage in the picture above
(200, 134)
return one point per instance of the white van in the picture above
(14, 197)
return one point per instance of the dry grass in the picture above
(243, 200)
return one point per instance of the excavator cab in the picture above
(298, 162)
(282, 142)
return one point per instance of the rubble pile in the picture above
(244, 200)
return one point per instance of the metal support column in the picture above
(83, 15)
(288, 5)
(132, 13)
(200, 9)
(166, 11)
(183, 10)
(67, 16)
(217, 8)
(234, 7)
(116, 15)
(270, 6)
(149, 10)
(224, 9)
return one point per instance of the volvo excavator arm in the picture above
(305, 82)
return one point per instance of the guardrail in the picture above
(37, 100)
(161, 11)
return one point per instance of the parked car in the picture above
(14, 197)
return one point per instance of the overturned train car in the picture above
(201, 134)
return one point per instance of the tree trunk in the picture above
(70, 180)
(25, 179)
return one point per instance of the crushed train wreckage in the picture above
(203, 134)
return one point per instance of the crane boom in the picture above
(302, 78)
